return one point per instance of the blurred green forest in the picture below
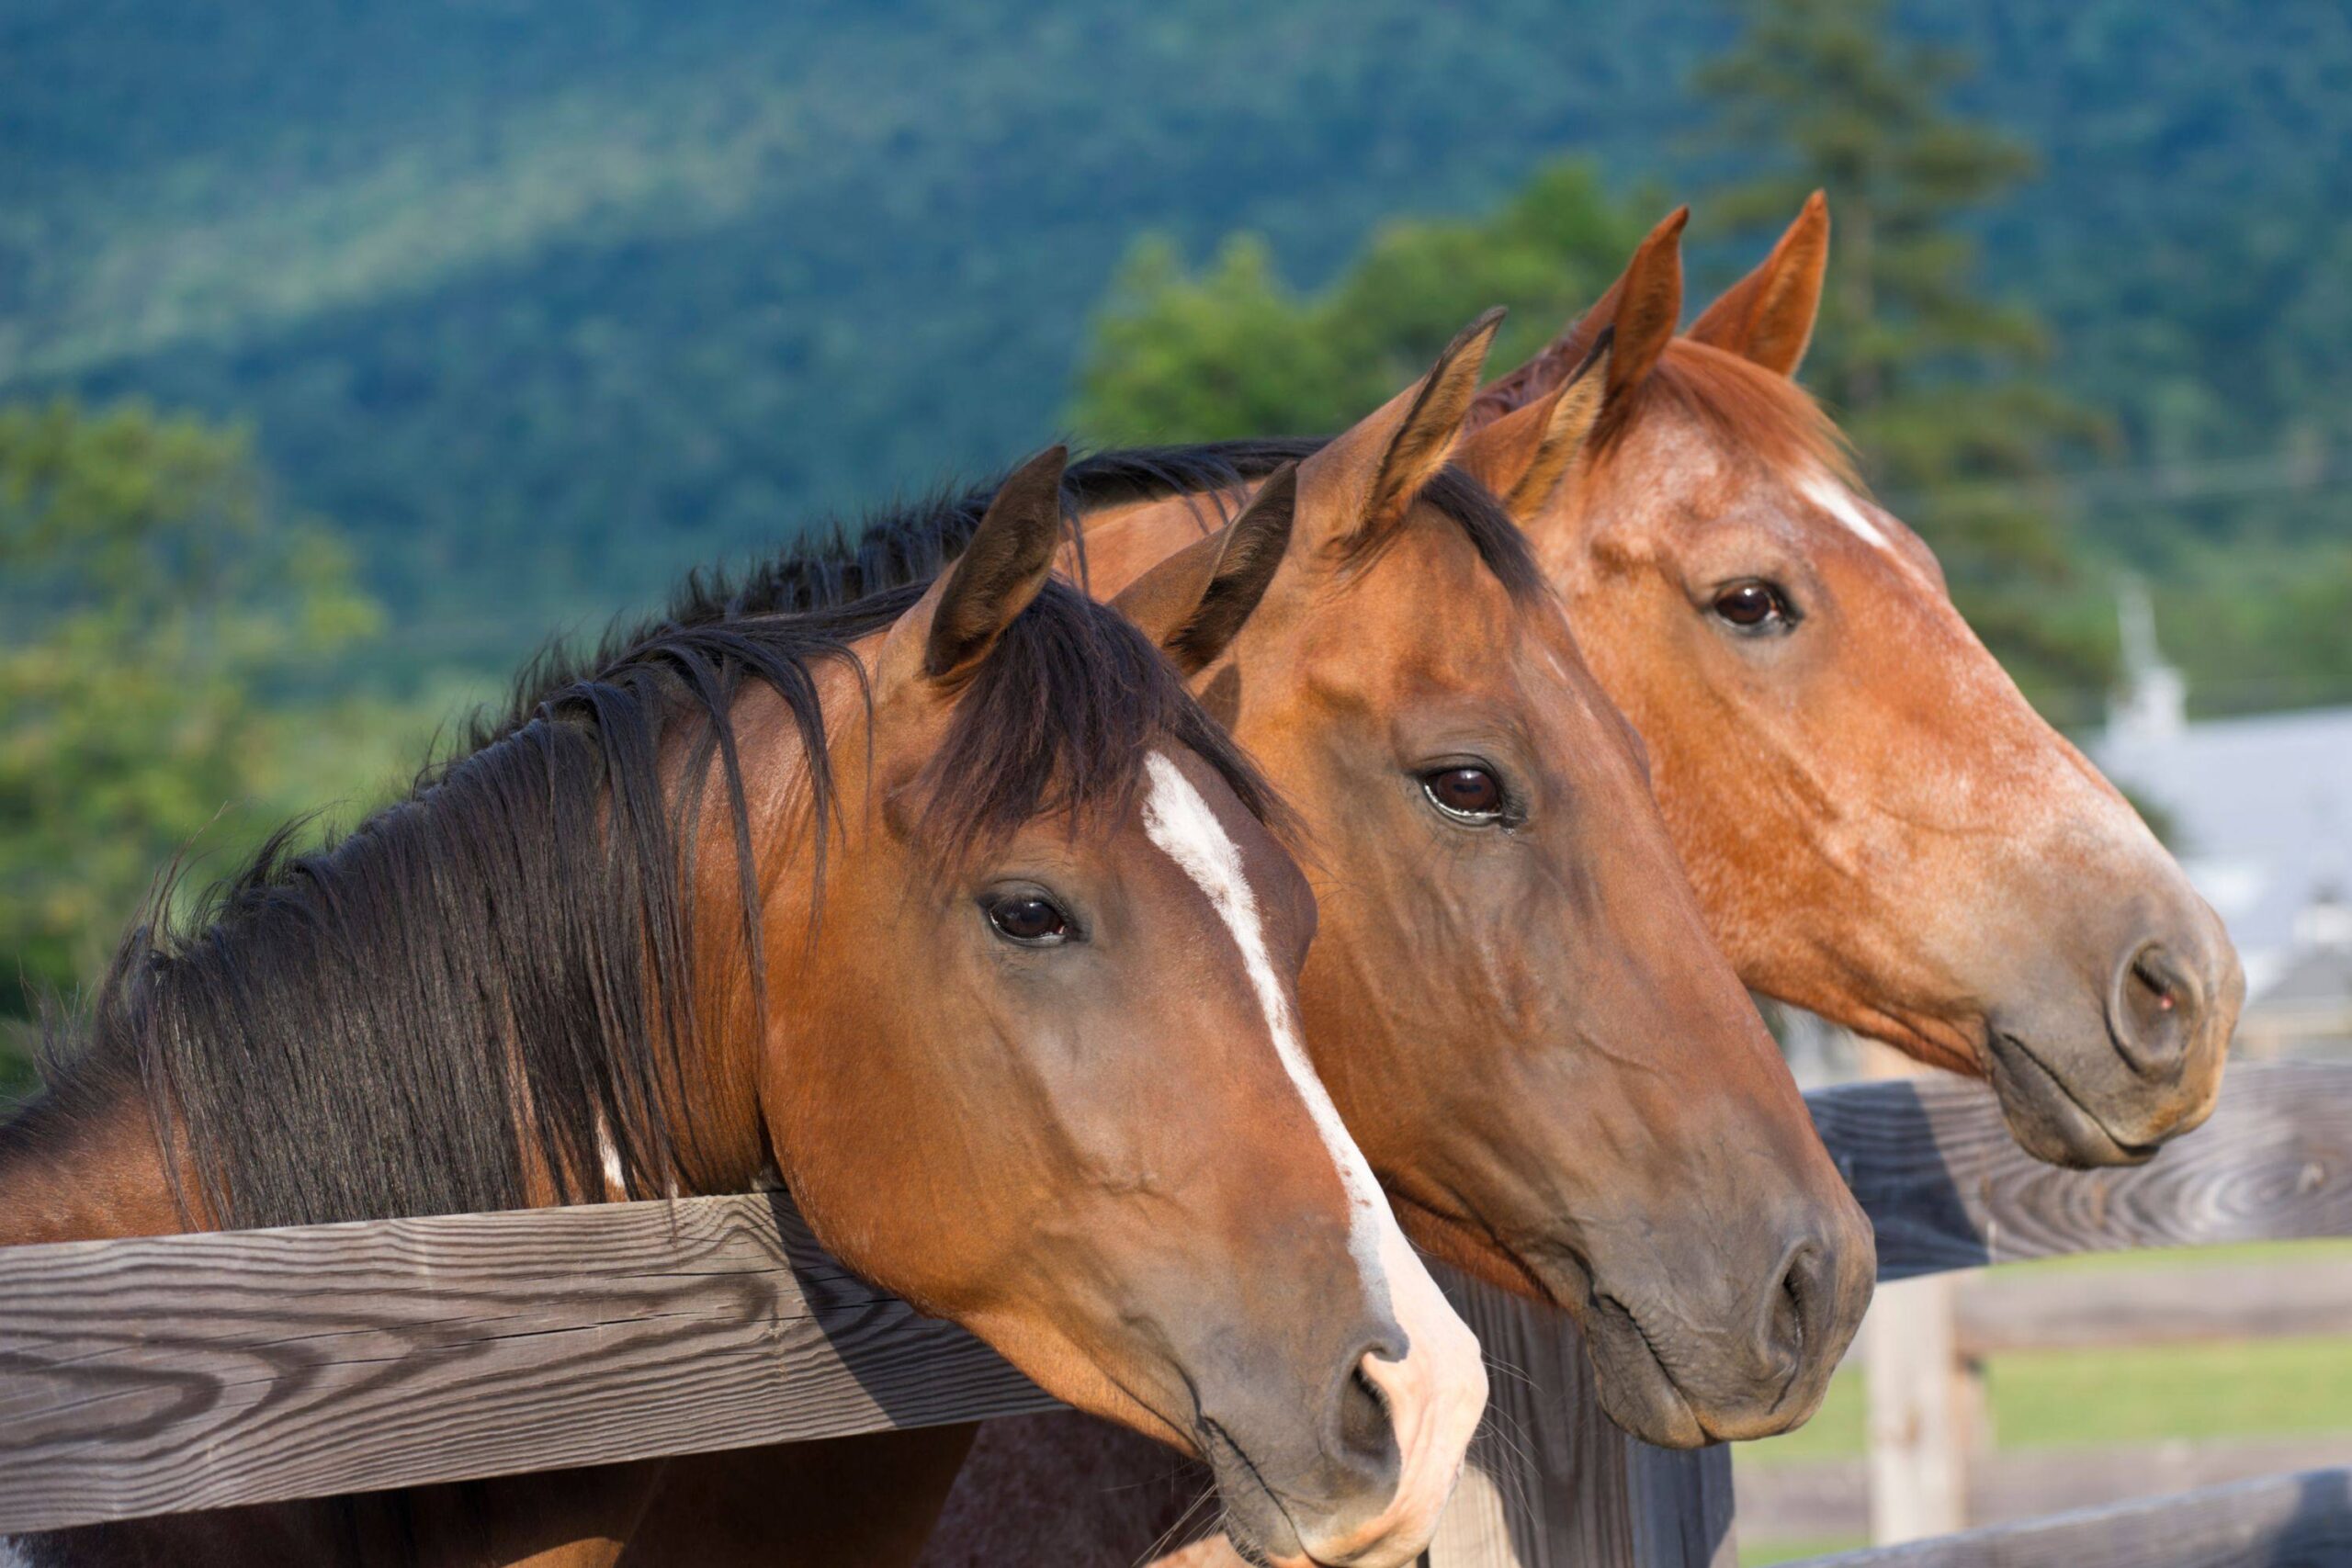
(539, 302)
(543, 299)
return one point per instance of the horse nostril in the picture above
(2157, 1011)
(1787, 1310)
(1365, 1428)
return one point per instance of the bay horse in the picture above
(1511, 995)
(1880, 827)
(945, 903)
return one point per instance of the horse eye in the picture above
(1473, 793)
(1752, 605)
(1026, 917)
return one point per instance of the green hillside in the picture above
(543, 299)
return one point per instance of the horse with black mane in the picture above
(945, 903)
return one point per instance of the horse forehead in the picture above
(1192, 819)
(1424, 605)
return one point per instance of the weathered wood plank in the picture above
(1818, 1498)
(2280, 1522)
(1682, 1507)
(1917, 1413)
(196, 1371)
(154, 1376)
(1947, 1188)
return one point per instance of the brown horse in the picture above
(1880, 827)
(1511, 995)
(949, 905)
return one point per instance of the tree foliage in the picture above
(1231, 350)
(158, 615)
(1945, 391)
(544, 301)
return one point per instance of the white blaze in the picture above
(1826, 493)
(1438, 1392)
(1181, 824)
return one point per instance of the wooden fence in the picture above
(181, 1372)
(1943, 1432)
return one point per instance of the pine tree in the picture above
(1938, 385)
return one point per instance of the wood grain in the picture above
(1947, 1188)
(2280, 1522)
(154, 1376)
(195, 1372)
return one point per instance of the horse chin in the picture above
(2044, 1116)
(1636, 1391)
(1256, 1524)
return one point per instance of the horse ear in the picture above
(1194, 603)
(1363, 482)
(1009, 557)
(1648, 300)
(1768, 316)
(1521, 455)
(1640, 309)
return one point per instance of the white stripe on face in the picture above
(1826, 493)
(1180, 823)
(1437, 1393)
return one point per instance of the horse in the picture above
(1880, 827)
(947, 905)
(1512, 994)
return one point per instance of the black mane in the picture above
(346, 1033)
(889, 552)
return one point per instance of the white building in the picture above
(2260, 812)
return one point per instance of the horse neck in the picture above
(90, 1171)
(725, 1143)
(86, 1160)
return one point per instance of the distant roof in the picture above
(2262, 812)
(2315, 974)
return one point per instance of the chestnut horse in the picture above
(947, 903)
(1513, 995)
(1880, 827)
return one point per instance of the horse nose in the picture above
(1400, 1422)
(1360, 1431)
(1794, 1313)
(2158, 1006)
(1808, 1318)
(1309, 1503)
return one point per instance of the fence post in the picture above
(1551, 1483)
(1920, 1406)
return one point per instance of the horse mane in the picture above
(919, 542)
(1745, 405)
(494, 972)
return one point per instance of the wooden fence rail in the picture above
(2279, 1521)
(194, 1371)
(2189, 1302)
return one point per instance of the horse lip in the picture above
(1213, 1440)
(1572, 1286)
(2016, 1069)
